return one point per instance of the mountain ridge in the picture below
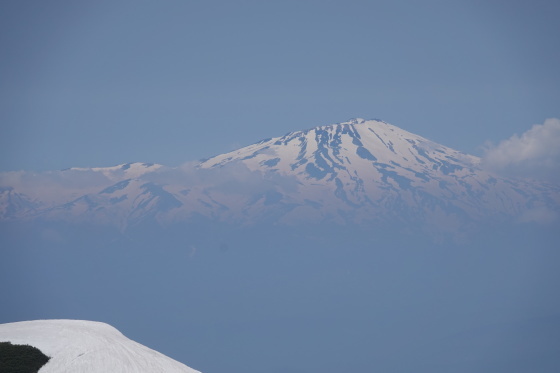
(356, 172)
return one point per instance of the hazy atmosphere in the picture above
(96, 84)
(289, 186)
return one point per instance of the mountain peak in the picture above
(338, 146)
(356, 171)
(355, 121)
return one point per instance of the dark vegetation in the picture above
(21, 358)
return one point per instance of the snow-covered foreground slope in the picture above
(76, 346)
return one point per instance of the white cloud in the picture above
(534, 154)
(234, 177)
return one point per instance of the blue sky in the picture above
(101, 83)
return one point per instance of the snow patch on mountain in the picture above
(76, 346)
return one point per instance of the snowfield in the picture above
(76, 346)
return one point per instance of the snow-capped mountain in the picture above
(363, 172)
(87, 347)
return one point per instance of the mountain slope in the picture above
(357, 172)
(76, 346)
(371, 170)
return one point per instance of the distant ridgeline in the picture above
(21, 358)
(366, 174)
